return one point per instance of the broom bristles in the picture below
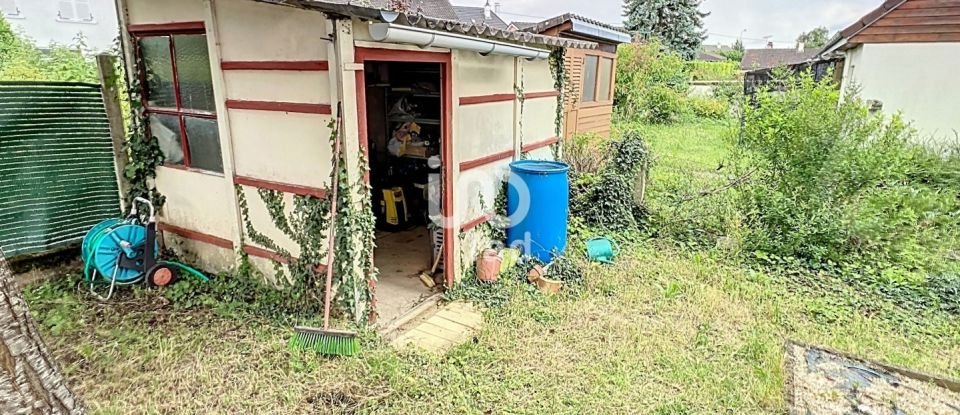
(327, 342)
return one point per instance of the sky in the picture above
(780, 20)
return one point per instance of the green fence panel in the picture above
(57, 175)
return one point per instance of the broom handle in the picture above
(328, 296)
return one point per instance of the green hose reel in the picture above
(125, 252)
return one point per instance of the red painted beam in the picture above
(196, 236)
(471, 164)
(476, 222)
(544, 94)
(265, 253)
(539, 144)
(273, 256)
(280, 187)
(279, 106)
(275, 65)
(167, 27)
(483, 99)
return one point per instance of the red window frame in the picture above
(139, 32)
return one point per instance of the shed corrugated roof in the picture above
(475, 15)
(425, 21)
(558, 20)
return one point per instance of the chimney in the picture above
(769, 44)
(486, 10)
(496, 7)
(800, 47)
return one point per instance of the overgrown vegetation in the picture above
(22, 60)
(713, 71)
(839, 187)
(652, 86)
(607, 181)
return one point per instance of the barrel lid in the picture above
(539, 166)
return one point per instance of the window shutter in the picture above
(66, 10)
(574, 65)
(82, 8)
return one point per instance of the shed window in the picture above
(75, 11)
(178, 98)
(597, 78)
(606, 75)
(8, 8)
(589, 79)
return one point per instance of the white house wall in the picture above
(166, 11)
(917, 79)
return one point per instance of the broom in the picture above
(328, 341)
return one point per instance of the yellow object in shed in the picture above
(394, 205)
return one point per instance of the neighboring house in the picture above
(246, 104)
(713, 53)
(766, 58)
(589, 97)
(480, 16)
(903, 56)
(60, 21)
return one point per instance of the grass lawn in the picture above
(666, 330)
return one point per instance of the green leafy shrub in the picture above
(711, 108)
(610, 198)
(642, 66)
(713, 71)
(835, 184)
(662, 105)
(585, 153)
(22, 60)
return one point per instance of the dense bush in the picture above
(836, 185)
(713, 71)
(711, 108)
(21, 60)
(646, 75)
(609, 196)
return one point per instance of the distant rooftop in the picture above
(773, 57)
(475, 15)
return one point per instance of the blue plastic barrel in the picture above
(538, 198)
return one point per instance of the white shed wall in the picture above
(917, 79)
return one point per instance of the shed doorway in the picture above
(404, 111)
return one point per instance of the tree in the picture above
(815, 38)
(677, 23)
(736, 54)
(30, 381)
(22, 60)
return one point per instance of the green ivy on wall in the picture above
(308, 225)
(143, 149)
(558, 69)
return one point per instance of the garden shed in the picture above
(588, 106)
(244, 97)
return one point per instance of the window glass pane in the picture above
(204, 141)
(159, 76)
(83, 10)
(166, 129)
(66, 10)
(193, 72)
(605, 72)
(589, 78)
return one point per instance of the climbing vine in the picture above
(143, 149)
(559, 71)
(518, 89)
(307, 225)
